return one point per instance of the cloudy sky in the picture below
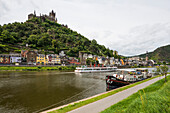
(129, 26)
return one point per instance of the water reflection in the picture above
(32, 91)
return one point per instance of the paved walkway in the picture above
(104, 103)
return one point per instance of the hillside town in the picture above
(32, 57)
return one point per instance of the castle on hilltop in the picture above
(50, 17)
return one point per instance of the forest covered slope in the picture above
(48, 37)
(160, 54)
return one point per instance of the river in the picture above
(33, 91)
(29, 92)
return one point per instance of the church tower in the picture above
(147, 56)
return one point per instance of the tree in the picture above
(164, 63)
(44, 41)
(94, 42)
(158, 63)
(33, 39)
(54, 43)
(163, 70)
(6, 37)
(90, 61)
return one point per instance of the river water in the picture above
(28, 92)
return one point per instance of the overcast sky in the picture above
(129, 26)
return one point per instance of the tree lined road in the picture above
(102, 104)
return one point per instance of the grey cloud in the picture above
(97, 19)
(34, 5)
(144, 38)
(138, 40)
(3, 8)
(90, 1)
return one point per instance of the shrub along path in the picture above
(104, 103)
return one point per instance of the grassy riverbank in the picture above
(152, 99)
(93, 99)
(37, 68)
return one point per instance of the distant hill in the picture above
(47, 36)
(160, 54)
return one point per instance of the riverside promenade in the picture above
(104, 103)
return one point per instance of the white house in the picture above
(61, 54)
(112, 61)
(15, 59)
(100, 60)
(90, 56)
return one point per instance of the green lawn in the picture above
(152, 99)
(37, 68)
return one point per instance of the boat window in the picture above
(87, 69)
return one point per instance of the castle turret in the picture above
(30, 16)
(52, 14)
(34, 13)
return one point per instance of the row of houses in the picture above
(33, 58)
(29, 57)
(132, 61)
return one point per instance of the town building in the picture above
(100, 60)
(53, 59)
(64, 60)
(112, 61)
(117, 62)
(41, 59)
(62, 54)
(15, 58)
(31, 57)
(90, 56)
(4, 59)
(73, 61)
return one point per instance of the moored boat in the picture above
(125, 77)
(85, 69)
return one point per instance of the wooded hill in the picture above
(48, 37)
(160, 54)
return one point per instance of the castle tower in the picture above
(30, 16)
(52, 14)
(34, 13)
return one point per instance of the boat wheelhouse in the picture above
(85, 69)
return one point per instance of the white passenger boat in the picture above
(85, 69)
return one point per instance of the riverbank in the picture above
(35, 68)
(75, 105)
(152, 99)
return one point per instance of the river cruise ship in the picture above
(85, 69)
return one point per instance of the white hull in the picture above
(95, 69)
